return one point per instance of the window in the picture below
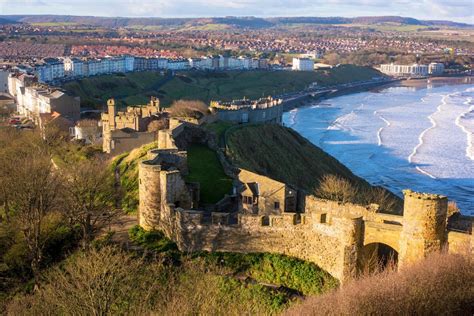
(323, 218)
(277, 205)
(247, 200)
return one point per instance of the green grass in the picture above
(205, 168)
(136, 88)
(302, 276)
(219, 128)
(127, 164)
(127, 89)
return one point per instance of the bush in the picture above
(438, 285)
(336, 188)
(304, 277)
(153, 240)
(185, 108)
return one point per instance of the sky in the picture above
(454, 10)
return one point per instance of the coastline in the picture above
(307, 98)
(424, 85)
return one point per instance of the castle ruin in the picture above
(264, 215)
(125, 130)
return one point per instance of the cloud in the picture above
(460, 10)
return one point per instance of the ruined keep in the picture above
(333, 235)
(125, 130)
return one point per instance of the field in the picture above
(136, 88)
(205, 168)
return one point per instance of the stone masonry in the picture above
(328, 233)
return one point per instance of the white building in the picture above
(74, 67)
(435, 68)
(51, 70)
(404, 70)
(129, 61)
(180, 64)
(303, 64)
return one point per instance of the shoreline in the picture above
(413, 84)
(308, 98)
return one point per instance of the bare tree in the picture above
(89, 197)
(187, 108)
(336, 188)
(33, 197)
(104, 281)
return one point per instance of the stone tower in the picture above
(149, 194)
(111, 112)
(424, 226)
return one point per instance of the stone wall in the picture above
(334, 247)
(328, 233)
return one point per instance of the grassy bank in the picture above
(282, 154)
(136, 88)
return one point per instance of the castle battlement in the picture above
(423, 196)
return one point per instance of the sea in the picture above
(415, 135)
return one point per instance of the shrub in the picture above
(185, 108)
(438, 285)
(153, 240)
(336, 188)
(304, 277)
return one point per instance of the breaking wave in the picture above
(433, 125)
(464, 128)
(379, 131)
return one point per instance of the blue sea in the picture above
(419, 137)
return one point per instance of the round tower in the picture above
(424, 225)
(149, 195)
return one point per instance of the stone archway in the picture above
(378, 256)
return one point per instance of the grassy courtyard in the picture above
(205, 168)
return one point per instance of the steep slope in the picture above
(282, 154)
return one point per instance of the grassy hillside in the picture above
(130, 88)
(136, 88)
(284, 155)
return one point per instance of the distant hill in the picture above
(8, 21)
(237, 22)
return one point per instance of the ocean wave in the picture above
(340, 123)
(422, 135)
(292, 117)
(469, 134)
(379, 131)
(425, 172)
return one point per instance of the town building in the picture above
(249, 111)
(303, 64)
(50, 70)
(404, 70)
(4, 80)
(436, 68)
(87, 130)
